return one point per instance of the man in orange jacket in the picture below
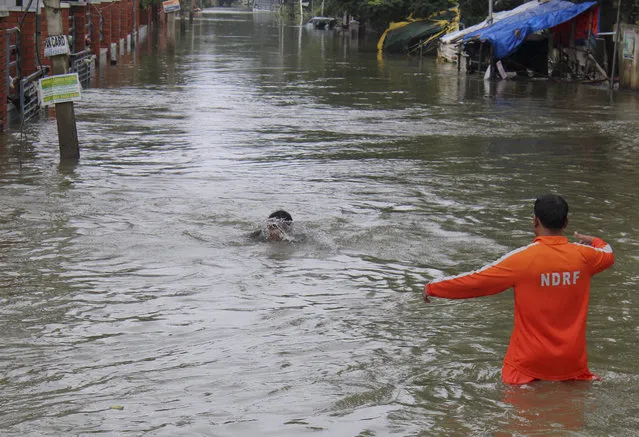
(551, 280)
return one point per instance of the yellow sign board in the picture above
(58, 89)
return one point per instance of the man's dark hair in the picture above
(552, 211)
(281, 215)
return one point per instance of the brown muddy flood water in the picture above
(128, 281)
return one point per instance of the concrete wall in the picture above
(629, 57)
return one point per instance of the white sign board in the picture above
(56, 45)
(58, 89)
(171, 6)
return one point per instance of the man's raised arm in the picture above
(602, 257)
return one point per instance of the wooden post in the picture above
(64, 112)
(170, 30)
(183, 12)
(493, 62)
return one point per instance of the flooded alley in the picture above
(132, 301)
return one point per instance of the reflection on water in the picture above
(545, 407)
(128, 281)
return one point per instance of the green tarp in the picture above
(408, 36)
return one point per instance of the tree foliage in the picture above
(631, 9)
(146, 3)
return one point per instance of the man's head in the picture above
(551, 214)
(278, 225)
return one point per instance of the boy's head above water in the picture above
(279, 225)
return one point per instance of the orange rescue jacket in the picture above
(551, 279)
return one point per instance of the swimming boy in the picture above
(278, 227)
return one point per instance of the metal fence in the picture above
(29, 104)
(82, 63)
(266, 5)
(22, 92)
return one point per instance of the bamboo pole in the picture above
(614, 55)
(490, 11)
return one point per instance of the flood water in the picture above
(133, 303)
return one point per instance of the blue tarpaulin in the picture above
(508, 34)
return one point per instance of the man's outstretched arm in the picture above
(490, 279)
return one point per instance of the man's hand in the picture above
(425, 294)
(584, 239)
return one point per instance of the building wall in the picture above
(106, 8)
(3, 74)
(96, 34)
(629, 57)
(79, 12)
(33, 35)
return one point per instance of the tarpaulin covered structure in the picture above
(497, 16)
(448, 48)
(508, 34)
